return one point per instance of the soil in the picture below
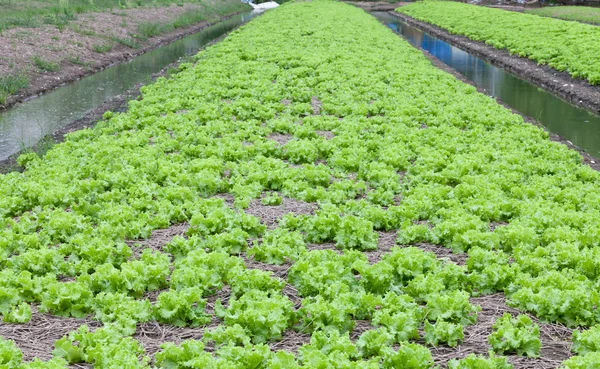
(575, 91)
(270, 215)
(36, 338)
(19, 45)
(556, 339)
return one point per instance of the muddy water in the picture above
(577, 125)
(25, 124)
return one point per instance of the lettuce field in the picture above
(563, 45)
(311, 192)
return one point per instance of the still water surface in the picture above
(577, 125)
(25, 124)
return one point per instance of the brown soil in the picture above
(19, 45)
(270, 215)
(280, 138)
(575, 91)
(316, 105)
(157, 240)
(555, 338)
(443, 253)
(386, 241)
(589, 160)
(36, 338)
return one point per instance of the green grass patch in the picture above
(45, 65)
(129, 42)
(77, 61)
(190, 18)
(584, 14)
(151, 29)
(10, 85)
(102, 48)
(83, 31)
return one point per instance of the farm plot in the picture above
(311, 193)
(585, 14)
(562, 45)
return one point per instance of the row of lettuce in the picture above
(565, 46)
(396, 146)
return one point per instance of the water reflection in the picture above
(575, 124)
(25, 124)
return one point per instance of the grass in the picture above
(77, 61)
(45, 65)
(84, 32)
(131, 43)
(10, 85)
(104, 48)
(150, 29)
(584, 14)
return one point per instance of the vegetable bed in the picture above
(563, 45)
(311, 193)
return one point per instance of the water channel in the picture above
(25, 124)
(577, 125)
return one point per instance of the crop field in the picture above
(584, 14)
(565, 46)
(311, 192)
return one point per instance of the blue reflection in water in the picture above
(573, 123)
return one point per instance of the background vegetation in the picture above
(575, 13)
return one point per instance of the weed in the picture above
(55, 48)
(45, 65)
(77, 61)
(84, 32)
(131, 43)
(151, 29)
(59, 20)
(10, 85)
(190, 17)
(102, 48)
(63, 6)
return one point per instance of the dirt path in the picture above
(90, 44)
(576, 91)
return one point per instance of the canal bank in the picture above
(45, 120)
(46, 58)
(575, 91)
